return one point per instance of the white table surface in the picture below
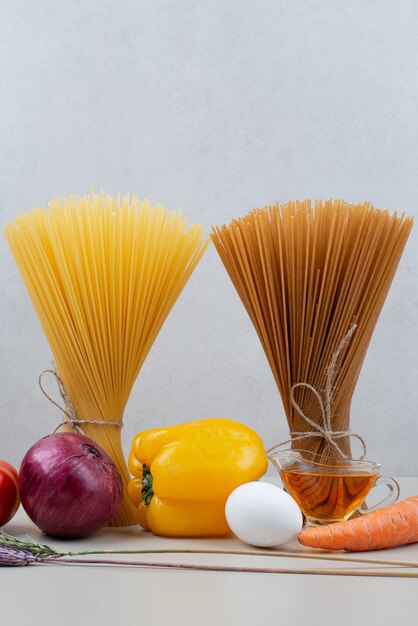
(63, 595)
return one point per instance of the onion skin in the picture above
(69, 486)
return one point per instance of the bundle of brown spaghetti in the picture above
(306, 276)
(103, 274)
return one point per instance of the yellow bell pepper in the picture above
(184, 474)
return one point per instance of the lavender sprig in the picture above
(16, 552)
(28, 545)
(13, 557)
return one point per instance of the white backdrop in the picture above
(213, 108)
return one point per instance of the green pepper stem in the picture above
(147, 491)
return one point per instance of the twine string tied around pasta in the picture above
(68, 409)
(324, 430)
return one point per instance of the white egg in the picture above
(263, 515)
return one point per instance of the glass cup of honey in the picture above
(331, 491)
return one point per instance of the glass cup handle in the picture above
(393, 495)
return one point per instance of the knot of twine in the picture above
(68, 409)
(324, 430)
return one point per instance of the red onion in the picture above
(69, 486)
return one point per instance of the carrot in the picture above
(394, 525)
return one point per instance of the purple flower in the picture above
(11, 557)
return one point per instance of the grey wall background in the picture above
(213, 108)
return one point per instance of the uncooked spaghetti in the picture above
(305, 275)
(103, 274)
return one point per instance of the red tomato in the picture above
(9, 492)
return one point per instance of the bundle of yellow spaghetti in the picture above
(306, 275)
(103, 274)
